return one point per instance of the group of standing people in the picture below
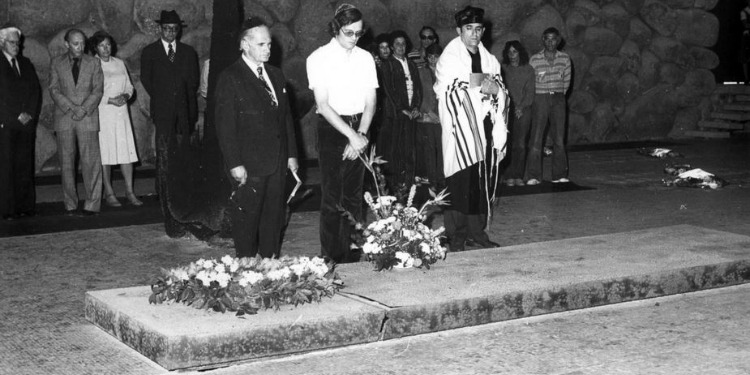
(91, 122)
(442, 114)
(450, 147)
(408, 127)
(537, 86)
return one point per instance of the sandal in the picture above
(134, 200)
(112, 201)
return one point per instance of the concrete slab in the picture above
(469, 288)
(178, 336)
(491, 285)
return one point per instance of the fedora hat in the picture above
(169, 16)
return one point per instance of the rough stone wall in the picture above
(641, 67)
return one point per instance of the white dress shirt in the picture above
(254, 68)
(346, 75)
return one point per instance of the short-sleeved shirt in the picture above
(551, 77)
(347, 75)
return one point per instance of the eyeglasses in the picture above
(173, 29)
(349, 33)
(428, 37)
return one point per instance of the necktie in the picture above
(170, 53)
(76, 69)
(265, 85)
(15, 67)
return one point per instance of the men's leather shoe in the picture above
(29, 213)
(71, 213)
(88, 213)
(484, 244)
(532, 182)
(456, 245)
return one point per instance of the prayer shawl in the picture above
(463, 109)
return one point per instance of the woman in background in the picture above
(403, 96)
(429, 138)
(519, 78)
(116, 139)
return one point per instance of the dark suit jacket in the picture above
(18, 94)
(394, 85)
(251, 132)
(66, 94)
(172, 86)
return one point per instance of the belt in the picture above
(549, 93)
(351, 119)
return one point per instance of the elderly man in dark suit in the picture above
(76, 85)
(170, 75)
(256, 136)
(19, 109)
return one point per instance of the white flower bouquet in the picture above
(398, 237)
(245, 285)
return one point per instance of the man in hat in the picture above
(343, 79)
(76, 85)
(19, 109)
(256, 135)
(471, 106)
(170, 75)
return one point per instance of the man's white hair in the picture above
(4, 33)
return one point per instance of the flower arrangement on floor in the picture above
(398, 237)
(246, 285)
(683, 175)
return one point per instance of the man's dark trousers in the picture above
(341, 185)
(548, 107)
(262, 204)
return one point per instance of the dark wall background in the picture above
(644, 69)
(728, 45)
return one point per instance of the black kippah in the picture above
(252, 22)
(469, 15)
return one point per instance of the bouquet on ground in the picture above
(658, 152)
(399, 237)
(246, 285)
(683, 175)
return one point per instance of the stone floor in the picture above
(44, 277)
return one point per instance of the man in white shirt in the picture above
(343, 79)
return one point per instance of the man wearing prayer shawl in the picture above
(472, 106)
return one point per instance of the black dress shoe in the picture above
(88, 213)
(481, 243)
(71, 213)
(29, 213)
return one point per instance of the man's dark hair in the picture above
(434, 49)
(523, 55)
(400, 34)
(344, 16)
(551, 30)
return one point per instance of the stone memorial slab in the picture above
(469, 288)
(178, 336)
(484, 286)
